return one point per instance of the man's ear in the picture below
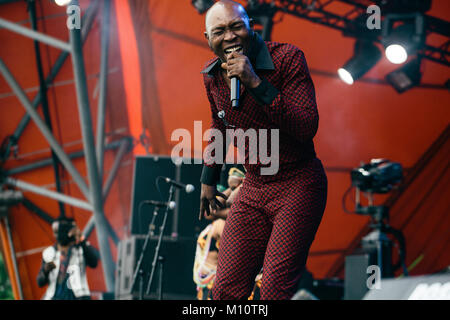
(206, 35)
(251, 23)
(55, 226)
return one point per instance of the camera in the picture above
(378, 176)
(64, 227)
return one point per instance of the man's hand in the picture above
(233, 196)
(234, 181)
(218, 214)
(208, 198)
(238, 65)
(49, 266)
(76, 232)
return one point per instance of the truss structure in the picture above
(93, 149)
(347, 16)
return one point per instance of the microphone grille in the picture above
(172, 205)
(189, 188)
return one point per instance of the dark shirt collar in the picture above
(259, 57)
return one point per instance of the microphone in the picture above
(235, 91)
(187, 187)
(171, 204)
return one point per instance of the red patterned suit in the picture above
(274, 219)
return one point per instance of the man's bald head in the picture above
(222, 6)
(228, 29)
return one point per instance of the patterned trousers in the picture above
(271, 225)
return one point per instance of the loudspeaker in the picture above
(183, 220)
(178, 263)
(432, 287)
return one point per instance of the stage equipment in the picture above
(234, 94)
(379, 176)
(406, 77)
(155, 176)
(181, 223)
(430, 287)
(62, 3)
(9, 198)
(405, 39)
(176, 281)
(157, 259)
(186, 187)
(404, 24)
(366, 55)
(202, 5)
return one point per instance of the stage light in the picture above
(405, 39)
(366, 55)
(406, 77)
(345, 76)
(62, 3)
(399, 44)
(396, 53)
(202, 5)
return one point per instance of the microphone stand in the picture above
(157, 259)
(139, 271)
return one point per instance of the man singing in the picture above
(274, 218)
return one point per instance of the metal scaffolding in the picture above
(93, 151)
(351, 21)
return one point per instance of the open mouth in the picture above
(237, 48)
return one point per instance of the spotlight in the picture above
(345, 76)
(405, 39)
(202, 5)
(399, 43)
(396, 53)
(62, 3)
(406, 77)
(366, 55)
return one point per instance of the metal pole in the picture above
(109, 181)
(48, 193)
(38, 211)
(43, 128)
(174, 232)
(124, 147)
(13, 256)
(48, 161)
(158, 245)
(91, 162)
(86, 24)
(44, 102)
(34, 35)
(103, 86)
(90, 225)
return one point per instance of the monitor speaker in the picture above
(178, 263)
(182, 222)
